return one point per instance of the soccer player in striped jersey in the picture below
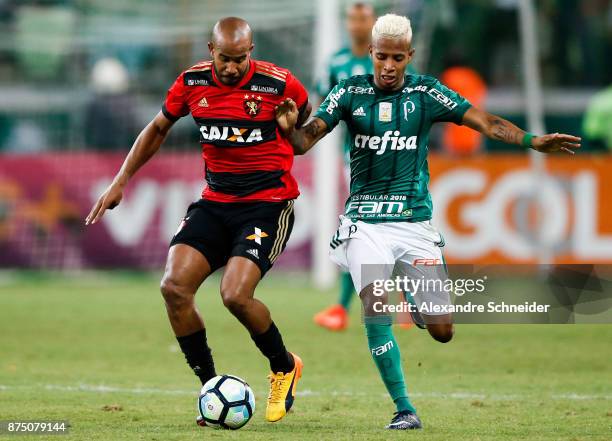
(387, 226)
(245, 216)
(349, 61)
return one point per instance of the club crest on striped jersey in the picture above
(252, 104)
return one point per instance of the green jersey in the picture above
(343, 65)
(389, 133)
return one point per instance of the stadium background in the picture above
(80, 78)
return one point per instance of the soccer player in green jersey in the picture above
(387, 216)
(347, 62)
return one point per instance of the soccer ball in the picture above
(226, 402)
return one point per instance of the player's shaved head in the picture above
(230, 46)
(231, 31)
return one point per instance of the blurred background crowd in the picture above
(80, 78)
(88, 74)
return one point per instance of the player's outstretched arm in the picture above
(145, 146)
(301, 138)
(500, 129)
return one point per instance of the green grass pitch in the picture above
(97, 350)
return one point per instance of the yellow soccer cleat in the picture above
(282, 391)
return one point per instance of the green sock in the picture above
(347, 292)
(386, 355)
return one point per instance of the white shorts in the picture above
(382, 251)
(347, 176)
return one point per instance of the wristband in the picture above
(527, 140)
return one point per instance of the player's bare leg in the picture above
(237, 290)
(186, 269)
(238, 285)
(440, 327)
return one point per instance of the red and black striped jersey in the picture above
(246, 158)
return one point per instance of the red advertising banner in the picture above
(44, 199)
(485, 206)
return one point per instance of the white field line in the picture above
(304, 393)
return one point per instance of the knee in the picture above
(443, 334)
(234, 299)
(176, 295)
(444, 338)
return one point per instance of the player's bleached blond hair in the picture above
(392, 26)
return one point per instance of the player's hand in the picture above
(109, 200)
(556, 142)
(287, 115)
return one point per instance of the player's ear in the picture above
(210, 48)
(370, 49)
(411, 53)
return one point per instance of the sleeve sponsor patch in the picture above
(442, 99)
(334, 97)
(361, 90)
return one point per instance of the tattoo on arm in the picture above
(303, 139)
(312, 129)
(502, 130)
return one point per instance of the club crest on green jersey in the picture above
(408, 108)
(385, 112)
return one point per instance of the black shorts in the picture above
(256, 230)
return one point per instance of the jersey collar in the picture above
(380, 91)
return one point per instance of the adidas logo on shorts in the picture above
(253, 252)
(359, 112)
